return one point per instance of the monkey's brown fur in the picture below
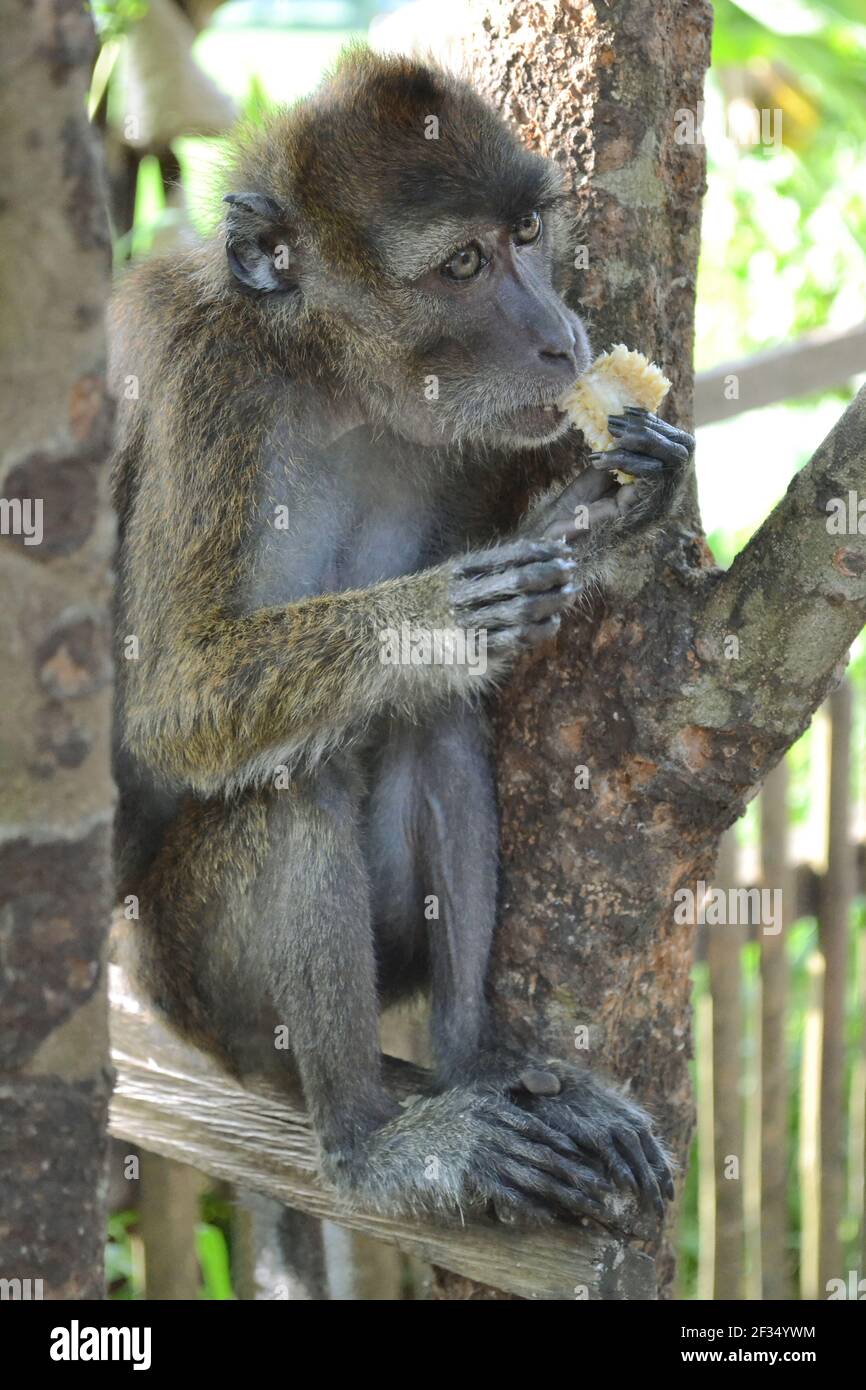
(289, 802)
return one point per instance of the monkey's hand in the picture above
(593, 510)
(571, 514)
(608, 1131)
(470, 1149)
(516, 592)
(656, 455)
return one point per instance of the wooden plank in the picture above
(815, 363)
(173, 1100)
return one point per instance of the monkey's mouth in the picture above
(533, 421)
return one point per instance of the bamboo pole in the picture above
(809, 1157)
(168, 1215)
(724, 947)
(833, 936)
(776, 873)
(857, 1124)
(706, 1164)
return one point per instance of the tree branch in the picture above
(771, 635)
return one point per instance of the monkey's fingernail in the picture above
(540, 1083)
(596, 460)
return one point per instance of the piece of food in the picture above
(615, 380)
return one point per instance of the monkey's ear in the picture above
(257, 243)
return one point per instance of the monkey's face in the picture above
(430, 248)
(480, 345)
(457, 331)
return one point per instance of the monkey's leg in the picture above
(316, 957)
(432, 844)
(457, 837)
(463, 1148)
(256, 923)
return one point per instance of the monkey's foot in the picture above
(609, 1132)
(469, 1149)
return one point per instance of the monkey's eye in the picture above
(465, 263)
(528, 229)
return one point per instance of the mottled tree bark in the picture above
(676, 726)
(54, 658)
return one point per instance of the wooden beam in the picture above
(814, 363)
(172, 1100)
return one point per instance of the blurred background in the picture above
(774, 1194)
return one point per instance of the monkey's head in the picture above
(396, 218)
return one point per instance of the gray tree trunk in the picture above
(54, 658)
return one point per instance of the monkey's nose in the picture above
(561, 358)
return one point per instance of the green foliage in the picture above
(113, 17)
(213, 1256)
(123, 1252)
(121, 1279)
(785, 224)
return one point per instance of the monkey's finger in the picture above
(533, 1126)
(590, 1140)
(606, 509)
(588, 487)
(523, 612)
(628, 497)
(527, 579)
(595, 1142)
(628, 1144)
(527, 1123)
(641, 437)
(511, 1206)
(545, 1187)
(659, 1163)
(573, 529)
(567, 1170)
(489, 589)
(512, 553)
(662, 427)
(518, 639)
(536, 634)
(566, 529)
(639, 465)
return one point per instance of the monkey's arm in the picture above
(219, 697)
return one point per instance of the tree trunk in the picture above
(55, 551)
(681, 693)
(586, 937)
